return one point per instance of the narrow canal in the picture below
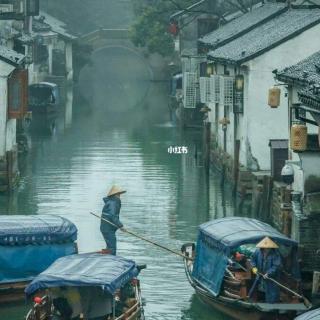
(120, 134)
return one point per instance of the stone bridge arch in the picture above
(102, 37)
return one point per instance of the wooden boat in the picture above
(89, 285)
(311, 315)
(220, 282)
(44, 98)
(28, 246)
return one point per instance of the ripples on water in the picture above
(168, 197)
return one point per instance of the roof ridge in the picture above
(307, 19)
(248, 29)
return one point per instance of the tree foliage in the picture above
(150, 29)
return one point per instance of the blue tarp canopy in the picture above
(23, 263)
(35, 229)
(217, 239)
(229, 233)
(311, 315)
(89, 270)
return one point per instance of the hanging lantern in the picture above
(239, 82)
(210, 69)
(238, 94)
(298, 137)
(274, 97)
(174, 28)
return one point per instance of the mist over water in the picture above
(69, 170)
(119, 134)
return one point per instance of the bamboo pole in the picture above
(265, 277)
(142, 238)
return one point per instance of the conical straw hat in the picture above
(115, 190)
(267, 243)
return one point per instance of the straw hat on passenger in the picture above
(267, 243)
(115, 190)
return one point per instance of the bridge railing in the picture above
(104, 34)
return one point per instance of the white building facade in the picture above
(254, 59)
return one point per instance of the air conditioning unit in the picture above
(222, 89)
(215, 83)
(228, 88)
(189, 89)
(6, 8)
(205, 92)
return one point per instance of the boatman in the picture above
(111, 212)
(266, 262)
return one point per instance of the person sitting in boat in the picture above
(240, 259)
(266, 262)
(66, 301)
(96, 304)
(111, 212)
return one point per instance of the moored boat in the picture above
(28, 246)
(224, 284)
(44, 98)
(311, 315)
(87, 286)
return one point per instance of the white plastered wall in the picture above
(7, 127)
(260, 123)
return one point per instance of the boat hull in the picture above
(236, 312)
(43, 311)
(234, 308)
(12, 292)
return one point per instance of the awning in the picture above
(86, 270)
(35, 229)
(229, 233)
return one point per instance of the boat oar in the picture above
(305, 300)
(142, 238)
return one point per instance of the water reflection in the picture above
(200, 311)
(67, 172)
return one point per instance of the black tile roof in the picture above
(310, 97)
(38, 25)
(10, 56)
(306, 2)
(266, 36)
(242, 24)
(304, 72)
(25, 38)
(57, 26)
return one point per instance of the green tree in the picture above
(151, 27)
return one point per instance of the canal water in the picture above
(119, 133)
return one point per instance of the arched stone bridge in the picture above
(101, 38)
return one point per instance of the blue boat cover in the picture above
(217, 239)
(23, 263)
(86, 270)
(229, 233)
(35, 229)
(311, 315)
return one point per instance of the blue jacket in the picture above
(111, 212)
(270, 266)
